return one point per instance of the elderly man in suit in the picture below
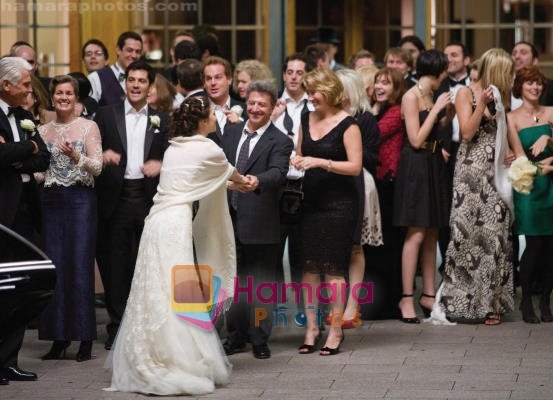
(134, 137)
(22, 152)
(260, 152)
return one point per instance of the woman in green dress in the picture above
(529, 130)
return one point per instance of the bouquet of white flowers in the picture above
(521, 175)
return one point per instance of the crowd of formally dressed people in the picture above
(140, 170)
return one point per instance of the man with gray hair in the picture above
(260, 152)
(22, 152)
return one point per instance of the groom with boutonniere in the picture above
(134, 138)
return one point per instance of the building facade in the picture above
(270, 29)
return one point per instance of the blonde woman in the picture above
(330, 151)
(478, 282)
(247, 71)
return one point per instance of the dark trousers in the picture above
(383, 263)
(445, 232)
(17, 311)
(259, 261)
(536, 264)
(292, 233)
(117, 249)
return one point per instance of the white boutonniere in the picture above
(155, 122)
(27, 125)
(237, 110)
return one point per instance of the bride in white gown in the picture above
(155, 352)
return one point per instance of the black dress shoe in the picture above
(233, 348)
(17, 374)
(261, 351)
(4, 380)
(108, 343)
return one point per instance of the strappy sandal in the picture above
(492, 319)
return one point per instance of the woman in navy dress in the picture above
(69, 221)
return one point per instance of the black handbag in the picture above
(290, 202)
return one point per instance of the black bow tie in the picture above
(453, 82)
(11, 110)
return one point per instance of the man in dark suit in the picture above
(134, 137)
(217, 78)
(189, 80)
(261, 153)
(108, 83)
(22, 152)
(457, 76)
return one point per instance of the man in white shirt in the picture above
(217, 78)
(286, 116)
(293, 101)
(108, 83)
(134, 138)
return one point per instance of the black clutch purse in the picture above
(290, 202)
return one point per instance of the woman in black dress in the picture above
(330, 151)
(420, 201)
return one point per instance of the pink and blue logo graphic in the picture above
(197, 295)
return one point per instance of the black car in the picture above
(27, 280)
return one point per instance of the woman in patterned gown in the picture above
(529, 135)
(478, 282)
(330, 151)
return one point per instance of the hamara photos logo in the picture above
(197, 295)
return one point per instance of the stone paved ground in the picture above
(379, 360)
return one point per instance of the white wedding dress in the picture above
(155, 352)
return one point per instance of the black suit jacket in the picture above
(258, 213)
(111, 122)
(17, 158)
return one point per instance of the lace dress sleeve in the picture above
(91, 158)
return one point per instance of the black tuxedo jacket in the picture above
(17, 158)
(111, 122)
(258, 213)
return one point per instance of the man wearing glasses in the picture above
(94, 55)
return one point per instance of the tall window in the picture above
(383, 23)
(238, 24)
(481, 25)
(42, 23)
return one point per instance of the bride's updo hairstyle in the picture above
(187, 117)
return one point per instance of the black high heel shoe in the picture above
(85, 351)
(310, 348)
(330, 351)
(425, 310)
(57, 351)
(410, 320)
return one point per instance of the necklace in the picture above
(535, 114)
(424, 98)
